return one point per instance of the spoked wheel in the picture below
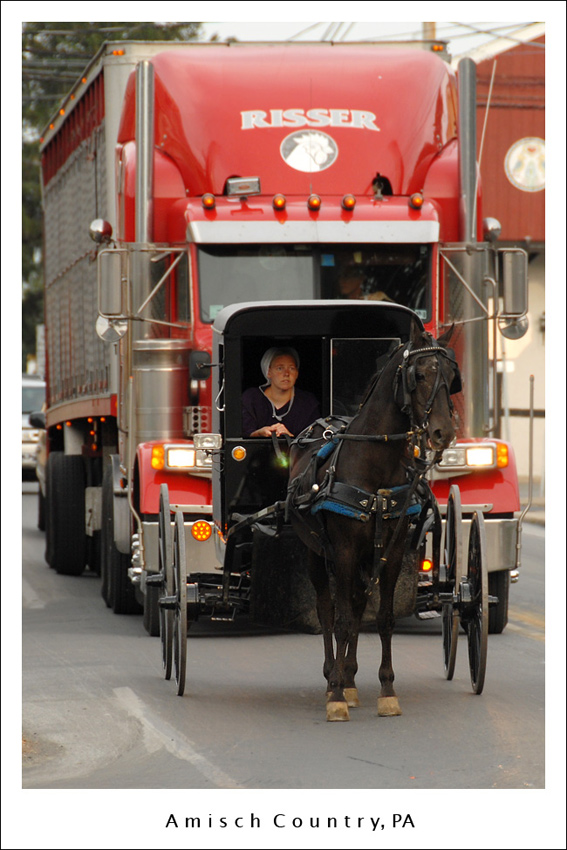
(165, 556)
(476, 613)
(452, 559)
(180, 613)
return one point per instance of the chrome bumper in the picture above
(200, 555)
(501, 535)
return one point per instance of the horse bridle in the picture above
(405, 377)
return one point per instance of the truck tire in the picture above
(48, 502)
(151, 610)
(116, 588)
(40, 510)
(498, 585)
(67, 535)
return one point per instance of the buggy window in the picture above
(354, 362)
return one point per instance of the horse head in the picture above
(426, 378)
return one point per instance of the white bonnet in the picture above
(271, 353)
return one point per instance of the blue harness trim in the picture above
(326, 450)
(339, 508)
(348, 505)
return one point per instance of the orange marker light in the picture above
(426, 565)
(279, 202)
(314, 202)
(501, 455)
(208, 201)
(348, 202)
(158, 457)
(416, 200)
(201, 530)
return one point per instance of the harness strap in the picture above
(359, 504)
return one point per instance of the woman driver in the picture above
(278, 406)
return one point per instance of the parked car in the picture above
(33, 401)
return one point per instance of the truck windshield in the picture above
(232, 274)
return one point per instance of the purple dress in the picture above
(257, 411)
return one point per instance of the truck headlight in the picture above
(480, 456)
(173, 457)
(465, 457)
(180, 458)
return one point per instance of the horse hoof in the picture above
(337, 711)
(388, 707)
(351, 696)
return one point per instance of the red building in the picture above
(511, 144)
(513, 151)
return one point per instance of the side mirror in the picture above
(37, 420)
(515, 282)
(513, 322)
(199, 365)
(100, 231)
(112, 271)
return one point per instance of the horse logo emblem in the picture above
(309, 151)
(525, 164)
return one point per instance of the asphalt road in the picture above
(97, 714)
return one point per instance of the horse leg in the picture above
(346, 635)
(351, 664)
(388, 705)
(325, 608)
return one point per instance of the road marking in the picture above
(158, 732)
(30, 598)
(532, 625)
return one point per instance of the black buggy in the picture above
(262, 564)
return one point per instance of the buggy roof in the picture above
(311, 318)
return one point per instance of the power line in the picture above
(495, 34)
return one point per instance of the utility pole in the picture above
(428, 31)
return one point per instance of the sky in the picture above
(462, 37)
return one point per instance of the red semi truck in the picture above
(213, 174)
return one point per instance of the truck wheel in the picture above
(67, 536)
(498, 585)
(151, 610)
(117, 590)
(48, 502)
(40, 510)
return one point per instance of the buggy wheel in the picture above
(180, 618)
(165, 556)
(476, 612)
(452, 559)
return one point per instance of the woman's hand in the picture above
(278, 429)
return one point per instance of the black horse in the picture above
(355, 487)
